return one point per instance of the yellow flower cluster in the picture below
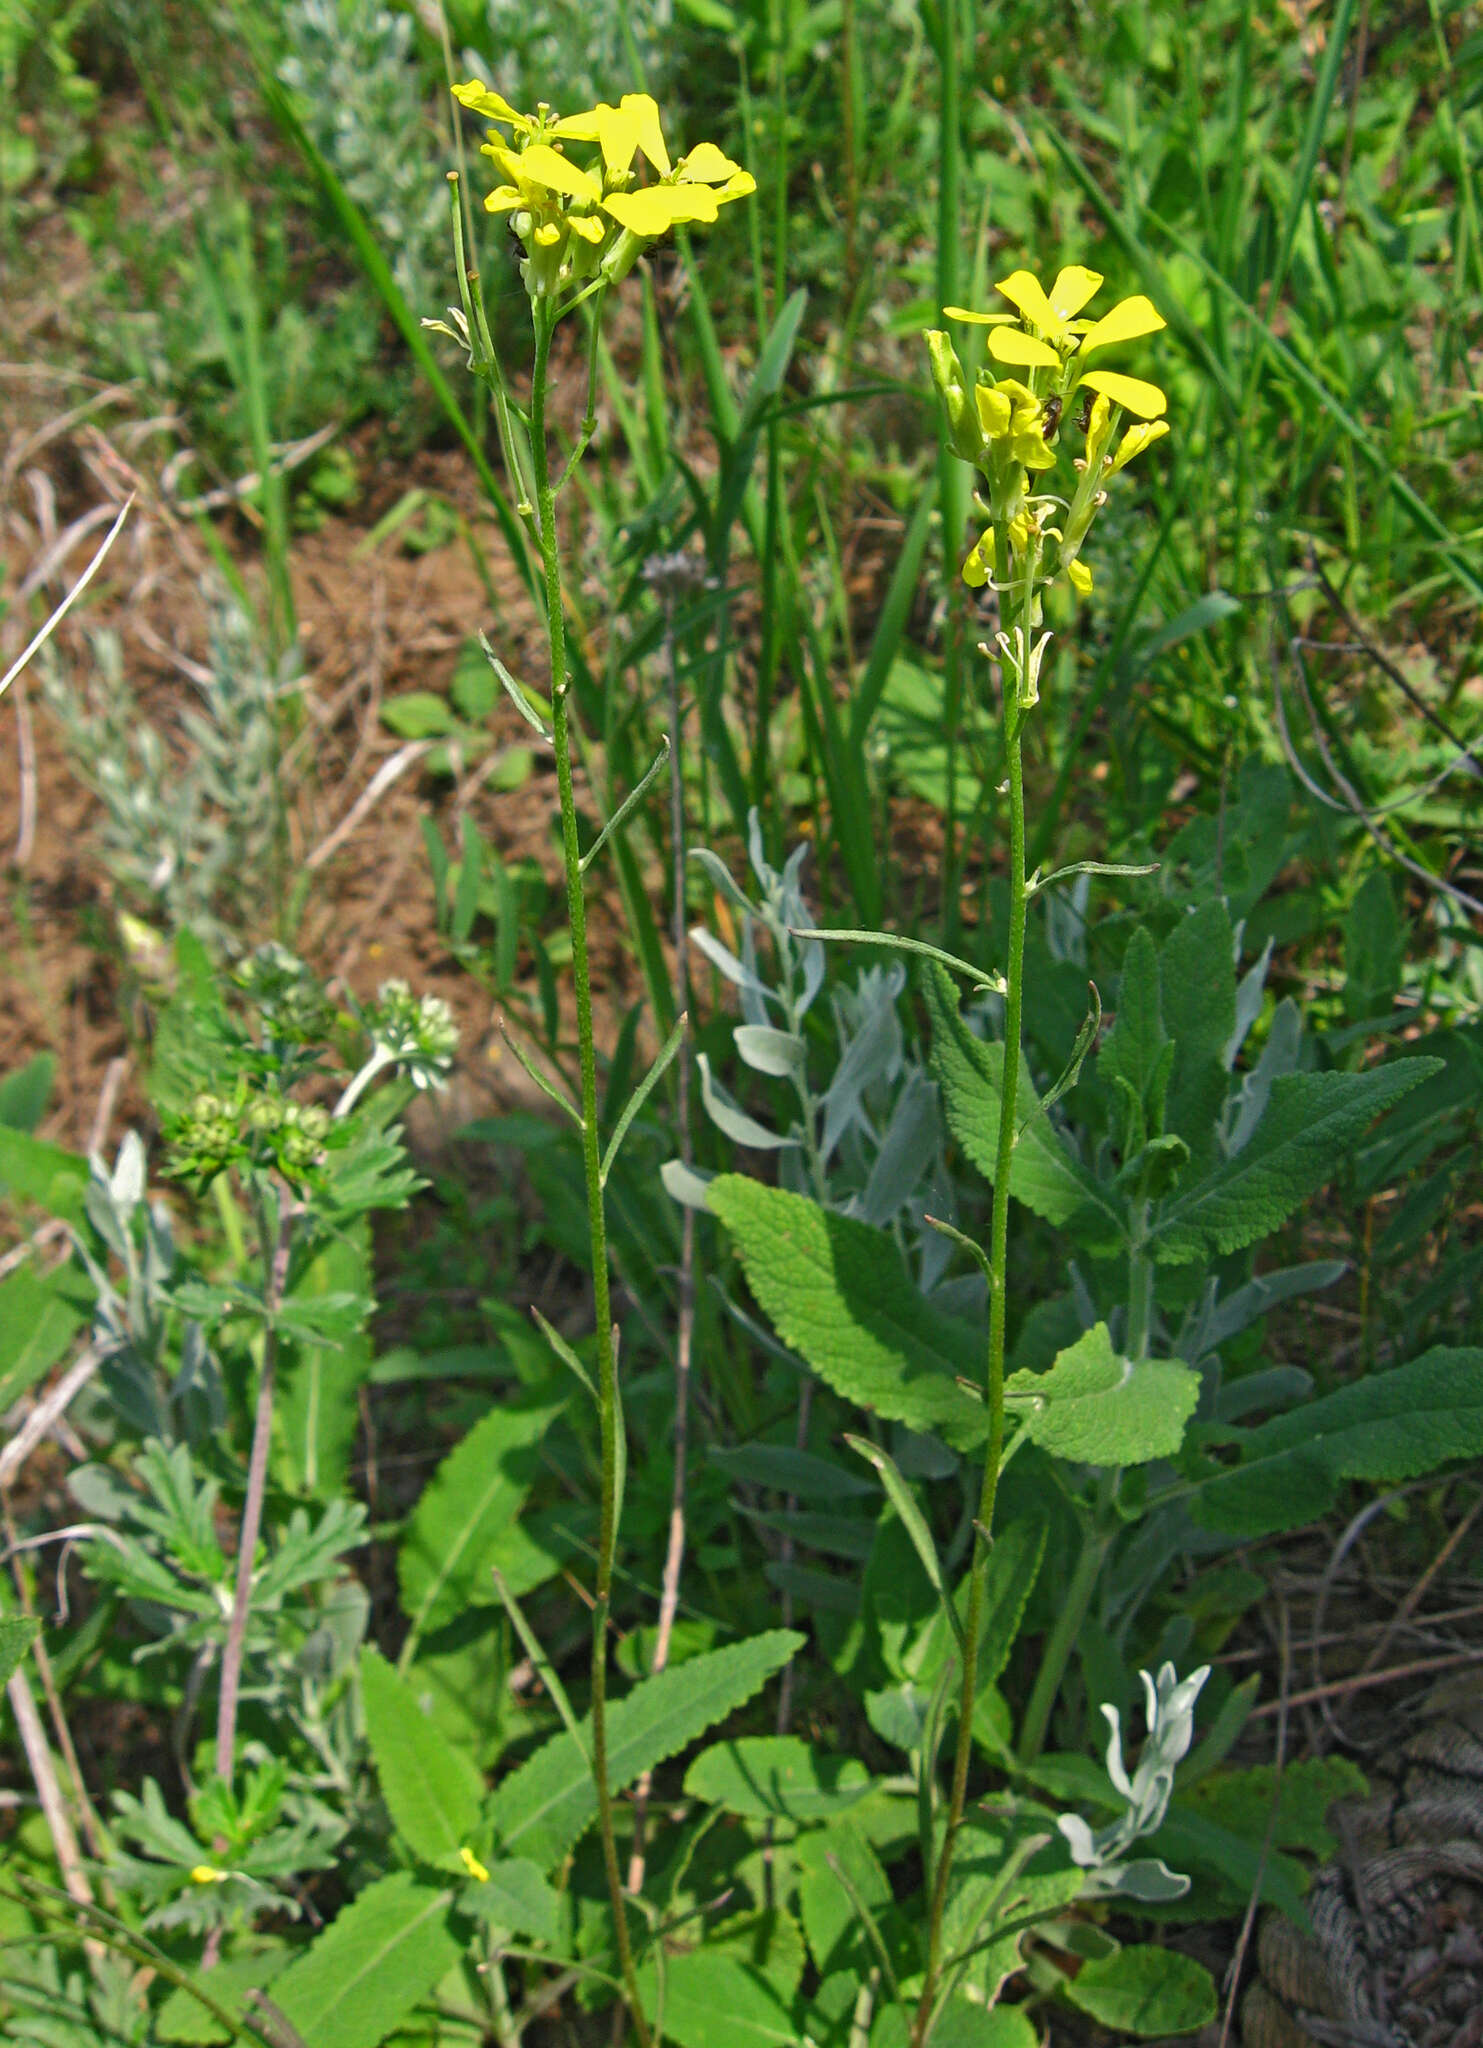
(1008, 428)
(577, 219)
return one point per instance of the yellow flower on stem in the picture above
(1050, 336)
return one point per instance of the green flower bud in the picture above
(965, 435)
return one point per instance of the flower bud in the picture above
(964, 434)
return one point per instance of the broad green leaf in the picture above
(712, 2000)
(184, 2018)
(515, 1898)
(37, 1324)
(360, 1979)
(1133, 1045)
(1102, 1409)
(24, 1094)
(838, 1875)
(48, 1175)
(1009, 1580)
(418, 715)
(542, 1809)
(967, 1070)
(764, 1777)
(1390, 1427)
(839, 1293)
(432, 1790)
(17, 1633)
(471, 1501)
(1303, 1791)
(1145, 1991)
(1311, 1121)
(964, 2024)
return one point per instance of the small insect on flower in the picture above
(1050, 418)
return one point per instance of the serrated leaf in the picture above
(360, 1979)
(967, 1070)
(1145, 1991)
(471, 1501)
(1101, 1409)
(432, 1790)
(1387, 1428)
(839, 1293)
(515, 1898)
(832, 1864)
(544, 1808)
(1197, 969)
(1133, 1045)
(780, 1777)
(17, 1633)
(1311, 1121)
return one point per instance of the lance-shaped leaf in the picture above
(543, 1809)
(839, 1293)
(361, 1978)
(1310, 1122)
(17, 1633)
(432, 1790)
(904, 1501)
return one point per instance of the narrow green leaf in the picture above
(545, 1807)
(904, 1501)
(634, 797)
(432, 1790)
(900, 596)
(470, 1501)
(642, 1093)
(838, 1292)
(356, 1984)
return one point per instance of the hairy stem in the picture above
(1013, 719)
(607, 1378)
(674, 1556)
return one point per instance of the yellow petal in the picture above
(1081, 578)
(577, 127)
(1144, 399)
(993, 411)
(543, 165)
(644, 114)
(976, 568)
(479, 99)
(1023, 292)
(1124, 323)
(618, 133)
(1072, 288)
(707, 165)
(507, 159)
(473, 1866)
(587, 226)
(547, 235)
(503, 198)
(976, 319)
(1135, 440)
(1010, 345)
(740, 186)
(656, 208)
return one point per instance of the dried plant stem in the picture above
(674, 1555)
(609, 1421)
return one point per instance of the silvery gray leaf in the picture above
(729, 1117)
(1280, 1056)
(770, 1051)
(872, 1055)
(685, 1184)
(724, 960)
(1249, 992)
(721, 875)
(910, 1140)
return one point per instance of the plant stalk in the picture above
(1013, 726)
(607, 1379)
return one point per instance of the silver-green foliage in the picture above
(191, 800)
(352, 67)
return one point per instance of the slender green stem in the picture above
(1013, 719)
(1140, 1291)
(1062, 1638)
(607, 1387)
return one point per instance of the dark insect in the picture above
(1084, 413)
(1050, 418)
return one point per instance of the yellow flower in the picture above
(1050, 336)
(202, 1873)
(473, 1866)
